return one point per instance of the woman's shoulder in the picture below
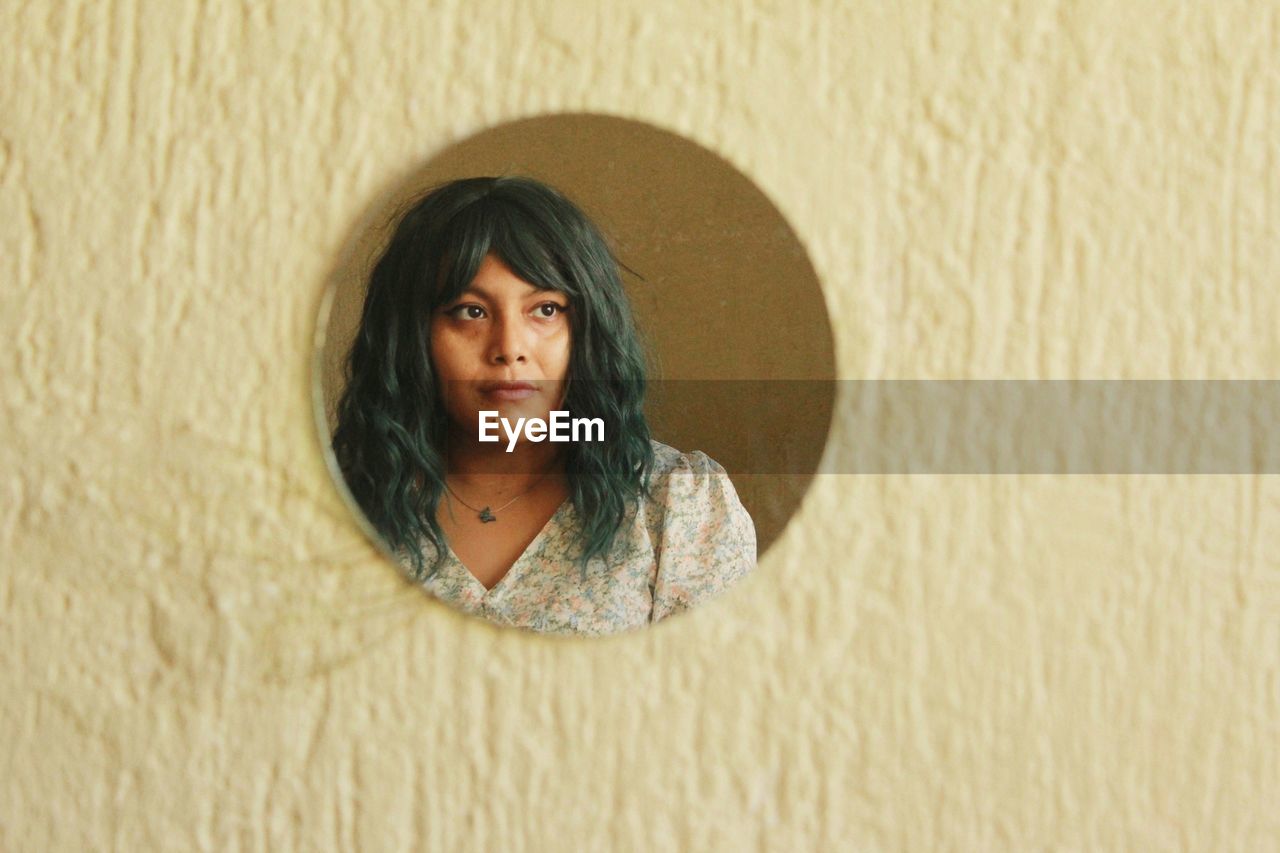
(707, 537)
(682, 478)
(668, 461)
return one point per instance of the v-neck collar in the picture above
(518, 567)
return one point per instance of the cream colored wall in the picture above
(200, 651)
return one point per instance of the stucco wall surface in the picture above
(198, 650)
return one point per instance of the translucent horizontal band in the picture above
(989, 426)
(977, 426)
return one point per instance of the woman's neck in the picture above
(489, 471)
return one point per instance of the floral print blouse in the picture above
(684, 545)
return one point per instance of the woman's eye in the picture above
(466, 312)
(548, 310)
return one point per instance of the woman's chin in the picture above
(504, 419)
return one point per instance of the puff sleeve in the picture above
(708, 540)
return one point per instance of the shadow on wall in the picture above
(722, 289)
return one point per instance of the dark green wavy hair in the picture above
(391, 430)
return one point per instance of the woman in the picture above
(497, 300)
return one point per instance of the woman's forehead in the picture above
(496, 279)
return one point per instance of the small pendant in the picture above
(486, 516)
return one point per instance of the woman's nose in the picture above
(510, 342)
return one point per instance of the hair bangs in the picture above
(523, 245)
(464, 241)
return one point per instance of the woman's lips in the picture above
(507, 392)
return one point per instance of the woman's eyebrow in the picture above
(484, 294)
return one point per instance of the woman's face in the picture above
(502, 345)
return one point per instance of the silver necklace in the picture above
(486, 515)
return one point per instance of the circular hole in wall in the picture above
(734, 331)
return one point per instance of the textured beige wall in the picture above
(201, 652)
